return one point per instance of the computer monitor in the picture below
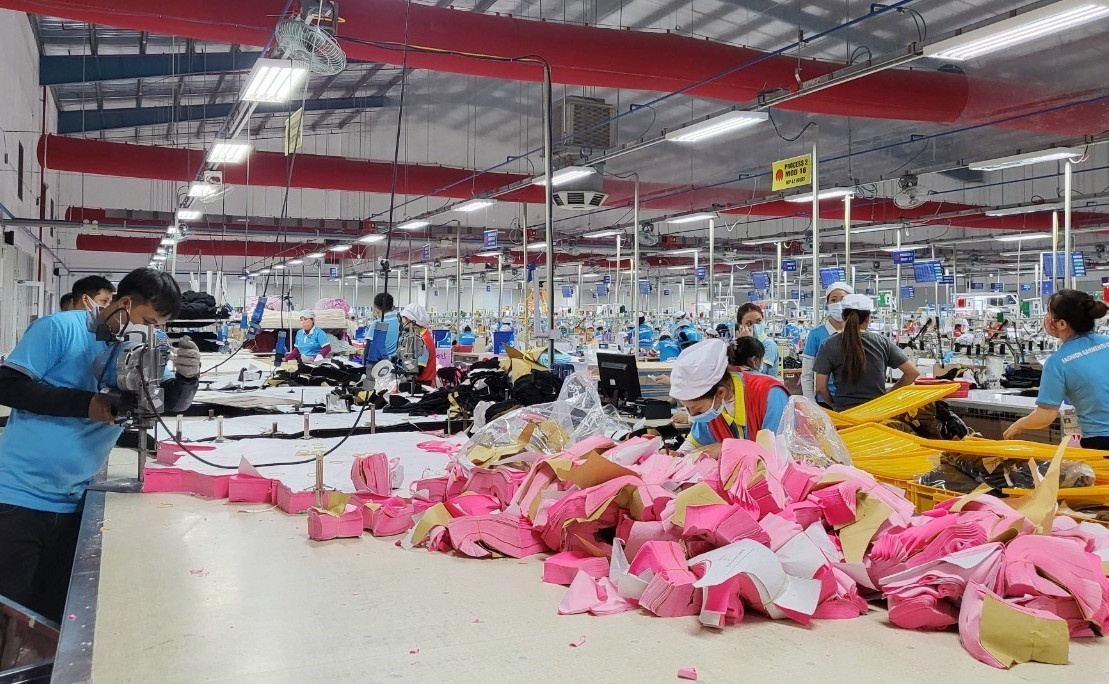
(619, 377)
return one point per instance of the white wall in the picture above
(20, 124)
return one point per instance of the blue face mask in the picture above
(759, 329)
(709, 415)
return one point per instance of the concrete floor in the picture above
(201, 591)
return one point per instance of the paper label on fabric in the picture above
(1014, 636)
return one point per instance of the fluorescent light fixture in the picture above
(264, 271)
(228, 152)
(279, 267)
(767, 241)
(474, 205)
(716, 125)
(339, 248)
(683, 251)
(740, 262)
(829, 193)
(352, 277)
(679, 268)
(607, 232)
(171, 229)
(451, 260)
(367, 239)
(537, 246)
(314, 255)
(691, 218)
(414, 224)
(1025, 159)
(168, 241)
(188, 215)
(1043, 21)
(490, 253)
(273, 80)
(158, 257)
(565, 175)
(876, 229)
(591, 275)
(1021, 237)
(161, 250)
(1026, 209)
(201, 189)
(296, 262)
(903, 248)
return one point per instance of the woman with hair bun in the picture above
(1075, 372)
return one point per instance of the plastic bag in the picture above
(963, 473)
(547, 428)
(807, 431)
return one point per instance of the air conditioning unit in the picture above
(583, 122)
(581, 193)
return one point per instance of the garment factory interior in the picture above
(599, 340)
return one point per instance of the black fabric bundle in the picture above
(963, 473)
(537, 387)
(1021, 378)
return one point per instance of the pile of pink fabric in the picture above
(633, 528)
(333, 303)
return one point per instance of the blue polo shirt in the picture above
(383, 343)
(646, 336)
(45, 461)
(310, 343)
(770, 356)
(816, 337)
(668, 349)
(1074, 374)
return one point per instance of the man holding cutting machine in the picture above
(62, 429)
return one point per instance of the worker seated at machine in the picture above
(961, 338)
(311, 342)
(467, 337)
(723, 404)
(386, 332)
(724, 332)
(415, 320)
(646, 334)
(857, 359)
(667, 348)
(746, 354)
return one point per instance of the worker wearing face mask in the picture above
(750, 324)
(723, 404)
(91, 292)
(1075, 372)
(834, 298)
(62, 429)
(311, 343)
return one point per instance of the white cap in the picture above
(417, 313)
(507, 320)
(839, 285)
(858, 302)
(308, 313)
(698, 369)
(681, 316)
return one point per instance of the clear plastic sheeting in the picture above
(545, 428)
(964, 473)
(807, 433)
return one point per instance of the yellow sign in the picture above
(294, 131)
(791, 173)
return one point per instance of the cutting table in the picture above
(170, 588)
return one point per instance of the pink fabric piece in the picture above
(502, 483)
(639, 532)
(1065, 608)
(323, 525)
(387, 518)
(721, 605)
(582, 595)
(373, 473)
(1051, 566)
(798, 480)
(804, 513)
(561, 568)
(740, 460)
(169, 451)
(950, 539)
(439, 446)
(327, 303)
(671, 593)
(779, 530)
(837, 504)
(889, 551)
(658, 556)
(926, 596)
(613, 602)
(181, 481)
(633, 450)
(721, 525)
(472, 504)
(689, 673)
(249, 489)
(479, 535)
(292, 502)
(598, 443)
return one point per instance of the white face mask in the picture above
(835, 311)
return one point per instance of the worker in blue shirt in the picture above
(62, 429)
(668, 348)
(646, 334)
(311, 343)
(833, 298)
(383, 344)
(467, 338)
(1075, 372)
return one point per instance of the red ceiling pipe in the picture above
(191, 247)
